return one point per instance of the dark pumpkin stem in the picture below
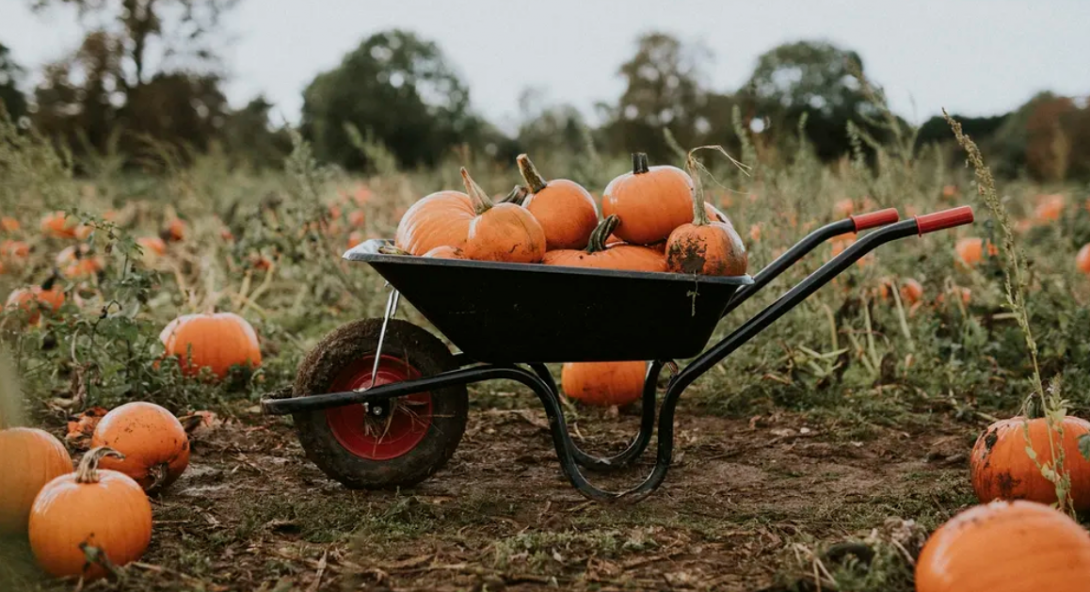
(601, 234)
(392, 250)
(516, 196)
(480, 199)
(158, 475)
(700, 215)
(88, 465)
(529, 173)
(640, 164)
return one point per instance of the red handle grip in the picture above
(872, 219)
(944, 219)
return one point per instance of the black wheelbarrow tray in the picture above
(382, 403)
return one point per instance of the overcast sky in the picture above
(975, 57)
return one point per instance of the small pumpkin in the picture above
(566, 211)
(911, 290)
(35, 299)
(1006, 547)
(355, 238)
(704, 247)
(445, 252)
(217, 341)
(1082, 259)
(437, 220)
(599, 255)
(357, 218)
(9, 224)
(58, 225)
(29, 458)
(78, 261)
(152, 440)
(501, 232)
(1049, 208)
(970, 250)
(1001, 469)
(14, 249)
(152, 244)
(604, 384)
(651, 201)
(87, 513)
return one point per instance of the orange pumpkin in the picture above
(650, 201)
(355, 238)
(445, 252)
(843, 208)
(566, 211)
(911, 291)
(970, 250)
(153, 441)
(501, 232)
(175, 231)
(949, 191)
(216, 341)
(599, 255)
(78, 262)
(153, 245)
(604, 383)
(1082, 259)
(35, 299)
(89, 512)
(29, 458)
(14, 249)
(1001, 469)
(1006, 547)
(356, 218)
(1049, 208)
(704, 247)
(9, 224)
(437, 220)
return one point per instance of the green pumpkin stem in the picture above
(700, 215)
(480, 199)
(601, 234)
(640, 164)
(516, 196)
(88, 465)
(529, 173)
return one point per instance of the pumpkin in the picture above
(153, 245)
(1049, 208)
(14, 249)
(911, 291)
(217, 341)
(566, 211)
(704, 247)
(9, 224)
(29, 458)
(445, 252)
(1082, 259)
(356, 218)
(604, 383)
(87, 513)
(355, 238)
(598, 255)
(501, 232)
(1001, 469)
(1006, 547)
(57, 225)
(152, 440)
(650, 201)
(78, 262)
(176, 230)
(35, 299)
(437, 220)
(970, 250)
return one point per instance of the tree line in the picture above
(399, 91)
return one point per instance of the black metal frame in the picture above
(538, 378)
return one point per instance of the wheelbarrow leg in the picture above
(638, 444)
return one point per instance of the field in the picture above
(848, 421)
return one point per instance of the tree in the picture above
(400, 89)
(811, 77)
(11, 73)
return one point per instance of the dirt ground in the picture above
(251, 513)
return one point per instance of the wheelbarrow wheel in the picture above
(393, 443)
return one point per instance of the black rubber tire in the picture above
(424, 352)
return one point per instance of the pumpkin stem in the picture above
(516, 196)
(601, 234)
(480, 199)
(529, 173)
(88, 465)
(392, 250)
(640, 164)
(158, 474)
(700, 215)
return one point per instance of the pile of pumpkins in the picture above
(652, 219)
(81, 520)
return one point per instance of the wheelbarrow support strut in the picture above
(538, 380)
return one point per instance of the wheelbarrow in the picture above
(382, 403)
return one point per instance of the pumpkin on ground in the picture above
(29, 458)
(14, 249)
(1006, 547)
(35, 299)
(970, 250)
(437, 220)
(501, 232)
(58, 225)
(651, 201)
(89, 513)
(911, 291)
(599, 255)
(604, 384)
(703, 246)
(152, 440)
(217, 341)
(1001, 468)
(76, 262)
(566, 211)
(176, 230)
(9, 224)
(1049, 208)
(1082, 259)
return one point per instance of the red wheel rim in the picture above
(379, 439)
